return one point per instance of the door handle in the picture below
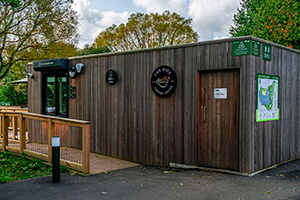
(204, 111)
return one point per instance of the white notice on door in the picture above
(220, 93)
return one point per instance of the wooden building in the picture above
(227, 104)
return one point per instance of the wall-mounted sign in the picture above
(59, 64)
(245, 47)
(267, 97)
(163, 81)
(240, 48)
(267, 52)
(255, 48)
(72, 72)
(111, 77)
(220, 93)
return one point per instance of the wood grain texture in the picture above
(130, 122)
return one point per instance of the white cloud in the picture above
(212, 19)
(179, 6)
(92, 21)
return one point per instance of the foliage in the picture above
(32, 28)
(274, 20)
(54, 50)
(16, 94)
(90, 49)
(147, 30)
(12, 3)
(13, 167)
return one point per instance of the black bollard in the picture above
(55, 159)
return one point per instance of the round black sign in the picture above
(111, 77)
(163, 81)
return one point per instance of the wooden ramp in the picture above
(98, 163)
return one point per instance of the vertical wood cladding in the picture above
(129, 121)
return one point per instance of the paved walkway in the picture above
(148, 183)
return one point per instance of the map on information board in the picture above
(267, 97)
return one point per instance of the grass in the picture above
(13, 168)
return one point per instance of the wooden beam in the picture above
(22, 133)
(50, 134)
(86, 149)
(15, 127)
(4, 130)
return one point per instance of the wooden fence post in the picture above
(50, 134)
(15, 127)
(1, 133)
(4, 130)
(22, 133)
(86, 148)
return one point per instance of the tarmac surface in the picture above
(142, 182)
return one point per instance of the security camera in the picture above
(30, 75)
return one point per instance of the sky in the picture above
(211, 18)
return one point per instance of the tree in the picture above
(90, 49)
(33, 26)
(14, 94)
(274, 20)
(147, 30)
(12, 3)
(59, 49)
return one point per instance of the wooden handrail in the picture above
(85, 125)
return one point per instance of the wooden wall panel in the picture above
(277, 141)
(129, 121)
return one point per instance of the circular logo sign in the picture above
(111, 77)
(163, 81)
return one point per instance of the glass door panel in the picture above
(50, 96)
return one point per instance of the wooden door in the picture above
(218, 119)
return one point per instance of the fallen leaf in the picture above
(181, 183)
(269, 192)
(167, 172)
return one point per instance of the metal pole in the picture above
(55, 159)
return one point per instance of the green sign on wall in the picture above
(241, 48)
(245, 47)
(267, 52)
(255, 48)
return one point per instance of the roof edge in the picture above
(187, 45)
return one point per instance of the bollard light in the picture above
(55, 159)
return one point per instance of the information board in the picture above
(267, 97)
